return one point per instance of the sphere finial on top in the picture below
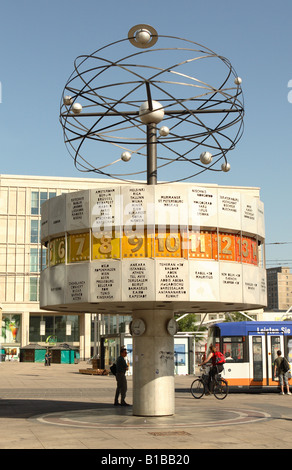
(142, 36)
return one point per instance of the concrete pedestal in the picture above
(153, 365)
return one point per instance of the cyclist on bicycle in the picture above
(218, 360)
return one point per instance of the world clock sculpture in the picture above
(137, 244)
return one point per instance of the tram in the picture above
(250, 349)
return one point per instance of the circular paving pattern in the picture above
(124, 419)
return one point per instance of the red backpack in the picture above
(220, 358)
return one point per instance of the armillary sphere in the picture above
(155, 106)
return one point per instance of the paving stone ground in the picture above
(56, 407)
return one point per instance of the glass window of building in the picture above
(34, 231)
(74, 320)
(43, 197)
(37, 259)
(54, 325)
(49, 325)
(34, 328)
(112, 324)
(124, 322)
(34, 202)
(60, 328)
(37, 199)
(43, 258)
(33, 289)
(34, 260)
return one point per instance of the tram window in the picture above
(288, 347)
(275, 346)
(257, 355)
(233, 348)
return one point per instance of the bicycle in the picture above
(199, 387)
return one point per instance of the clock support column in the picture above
(153, 365)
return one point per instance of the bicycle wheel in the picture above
(197, 388)
(220, 389)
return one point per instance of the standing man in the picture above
(281, 374)
(122, 367)
(48, 358)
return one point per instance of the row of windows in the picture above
(42, 326)
(37, 198)
(37, 260)
(37, 256)
(112, 324)
(54, 325)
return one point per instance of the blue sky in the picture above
(39, 40)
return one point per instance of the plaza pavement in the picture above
(56, 407)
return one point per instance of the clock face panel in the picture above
(137, 327)
(172, 327)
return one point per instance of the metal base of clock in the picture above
(153, 364)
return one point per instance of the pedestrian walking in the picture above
(279, 370)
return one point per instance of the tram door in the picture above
(256, 359)
(262, 354)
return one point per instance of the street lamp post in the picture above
(151, 154)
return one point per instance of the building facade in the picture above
(279, 286)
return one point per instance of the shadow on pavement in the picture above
(23, 409)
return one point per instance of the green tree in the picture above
(188, 323)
